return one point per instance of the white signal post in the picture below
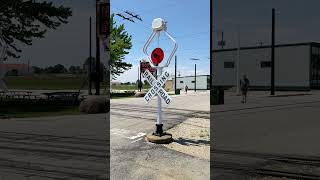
(158, 25)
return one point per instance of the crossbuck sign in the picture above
(156, 87)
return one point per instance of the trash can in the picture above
(218, 95)
(177, 91)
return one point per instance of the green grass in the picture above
(44, 82)
(56, 82)
(117, 95)
(128, 87)
(24, 110)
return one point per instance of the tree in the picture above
(24, 20)
(74, 69)
(120, 43)
(59, 68)
(36, 69)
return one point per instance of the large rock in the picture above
(140, 94)
(94, 105)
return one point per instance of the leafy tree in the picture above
(120, 44)
(24, 20)
(74, 69)
(59, 68)
(36, 69)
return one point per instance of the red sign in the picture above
(157, 56)
(146, 65)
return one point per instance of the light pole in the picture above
(195, 73)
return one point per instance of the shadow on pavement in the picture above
(188, 142)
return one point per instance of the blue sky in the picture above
(296, 21)
(188, 23)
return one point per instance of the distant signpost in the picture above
(146, 66)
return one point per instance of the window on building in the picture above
(265, 64)
(229, 64)
(192, 81)
(181, 81)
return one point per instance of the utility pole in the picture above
(221, 43)
(28, 65)
(195, 73)
(238, 61)
(140, 76)
(97, 74)
(272, 51)
(90, 59)
(195, 77)
(175, 74)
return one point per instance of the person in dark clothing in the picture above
(186, 89)
(244, 84)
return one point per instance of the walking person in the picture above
(186, 88)
(244, 84)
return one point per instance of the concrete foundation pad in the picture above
(166, 138)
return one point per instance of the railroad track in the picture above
(152, 110)
(48, 171)
(53, 157)
(288, 166)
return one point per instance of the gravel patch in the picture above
(192, 137)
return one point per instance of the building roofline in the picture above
(190, 76)
(269, 46)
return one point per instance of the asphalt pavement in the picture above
(269, 136)
(65, 147)
(134, 158)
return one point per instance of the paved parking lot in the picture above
(275, 136)
(65, 147)
(134, 158)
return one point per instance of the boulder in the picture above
(140, 94)
(95, 105)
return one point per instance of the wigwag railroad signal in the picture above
(155, 60)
